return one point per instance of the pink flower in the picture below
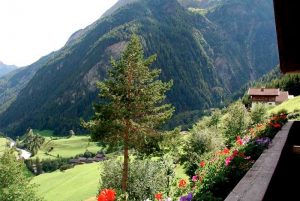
(228, 160)
(195, 178)
(248, 157)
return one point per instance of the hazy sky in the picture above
(30, 29)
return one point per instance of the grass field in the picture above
(289, 105)
(67, 147)
(76, 184)
(45, 133)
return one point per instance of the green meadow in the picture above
(67, 147)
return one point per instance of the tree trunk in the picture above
(126, 159)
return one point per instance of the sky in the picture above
(30, 29)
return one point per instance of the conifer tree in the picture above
(132, 103)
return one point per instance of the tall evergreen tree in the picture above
(132, 103)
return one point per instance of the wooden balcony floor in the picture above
(285, 183)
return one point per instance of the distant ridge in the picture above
(4, 69)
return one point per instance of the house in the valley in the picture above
(268, 96)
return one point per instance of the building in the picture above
(268, 96)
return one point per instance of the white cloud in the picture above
(30, 29)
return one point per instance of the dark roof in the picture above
(287, 17)
(283, 96)
(263, 92)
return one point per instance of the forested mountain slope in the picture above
(209, 57)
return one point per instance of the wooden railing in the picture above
(255, 183)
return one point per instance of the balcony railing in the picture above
(270, 176)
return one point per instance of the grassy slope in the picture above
(289, 105)
(79, 183)
(68, 147)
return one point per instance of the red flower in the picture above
(101, 197)
(158, 196)
(107, 195)
(276, 125)
(224, 151)
(235, 153)
(182, 183)
(239, 141)
(202, 164)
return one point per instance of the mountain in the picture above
(209, 57)
(12, 83)
(4, 69)
(202, 4)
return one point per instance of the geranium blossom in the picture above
(228, 160)
(159, 196)
(239, 141)
(276, 125)
(107, 195)
(224, 151)
(235, 153)
(195, 178)
(202, 164)
(182, 183)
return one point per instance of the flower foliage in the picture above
(227, 166)
(221, 170)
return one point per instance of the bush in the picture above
(65, 167)
(172, 143)
(236, 122)
(146, 177)
(47, 165)
(200, 141)
(88, 154)
(294, 115)
(258, 113)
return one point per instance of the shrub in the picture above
(236, 122)
(88, 154)
(172, 143)
(146, 177)
(200, 141)
(258, 113)
(46, 165)
(294, 115)
(65, 167)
